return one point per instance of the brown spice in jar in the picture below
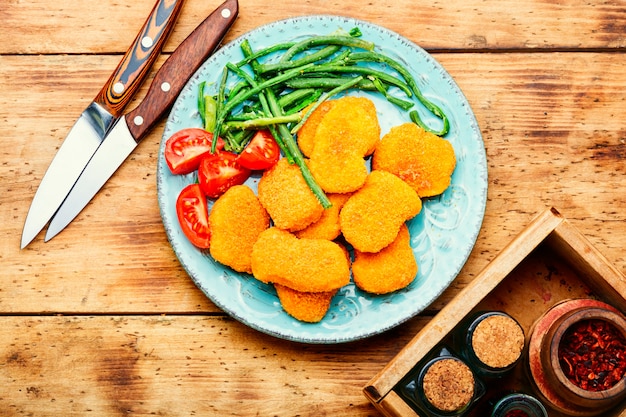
(498, 341)
(448, 385)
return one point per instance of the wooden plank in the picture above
(180, 366)
(108, 26)
(548, 143)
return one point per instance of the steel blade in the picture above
(114, 150)
(75, 152)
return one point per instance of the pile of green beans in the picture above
(281, 94)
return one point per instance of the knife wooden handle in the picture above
(136, 63)
(179, 67)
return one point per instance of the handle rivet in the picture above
(165, 87)
(225, 13)
(147, 42)
(138, 120)
(118, 87)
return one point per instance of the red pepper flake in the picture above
(592, 354)
(516, 413)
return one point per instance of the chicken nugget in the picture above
(327, 227)
(391, 269)
(236, 220)
(285, 195)
(346, 134)
(372, 216)
(310, 307)
(306, 134)
(422, 159)
(305, 265)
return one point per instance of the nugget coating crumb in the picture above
(306, 134)
(347, 133)
(422, 159)
(310, 307)
(327, 227)
(236, 220)
(287, 198)
(391, 269)
(306, 265)
(372, 216)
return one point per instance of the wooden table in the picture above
(104, 321)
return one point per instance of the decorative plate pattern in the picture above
(442, 235)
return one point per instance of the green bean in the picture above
(201, 100)
(220, 99)
(326, 40)
(326, 83)
(263, 122)
(274, 48)
(210, 113)
(294, 96)
(313, 57)
(240, 86)
(403, 104)
(302, 104)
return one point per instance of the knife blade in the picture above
(131, 128)
(89, 130)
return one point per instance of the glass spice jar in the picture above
(492, 343)
(519, 405)
(576, 357)
(442, 385)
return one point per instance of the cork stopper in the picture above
(498, 341)
(448, 385)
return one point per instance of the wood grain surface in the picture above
(102, 320)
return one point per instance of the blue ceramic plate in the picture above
(442, 235)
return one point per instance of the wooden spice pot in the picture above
(545, 368)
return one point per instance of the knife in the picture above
(131, 128)
(96, 120)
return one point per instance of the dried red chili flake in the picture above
(516, 413)
(592, 354)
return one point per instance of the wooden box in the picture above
(550, 261)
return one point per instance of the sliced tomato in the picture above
(193, 215)
(220, 171)
(262, 152)
(185, 149)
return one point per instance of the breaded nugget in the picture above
(287, 198)
(236, 220)
(304, 306)
(306, 134)
(391, 269)
(422, 159)
(305, 265)
(347, 133)
(327, 227)
(372, 216)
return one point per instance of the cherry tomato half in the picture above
(193, 215)
(220, 171)
(262, 152)
(185, 149)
